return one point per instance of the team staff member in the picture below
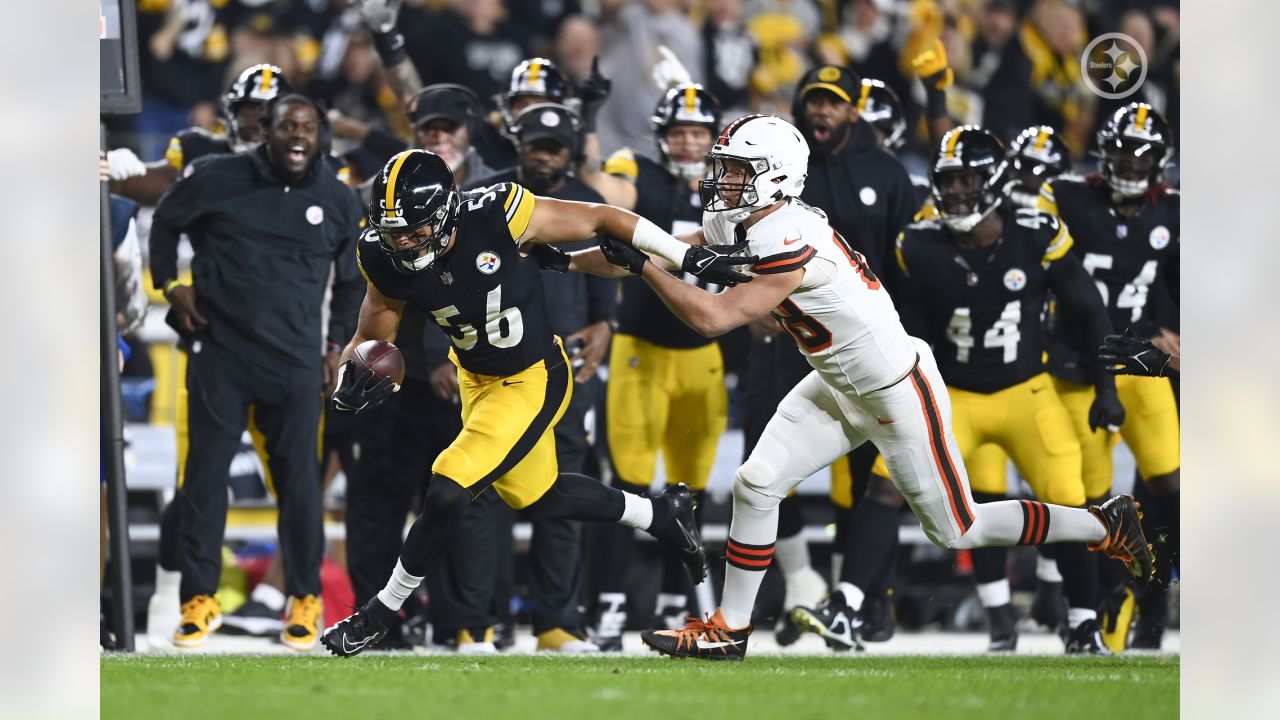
(548, 142)
(459, 257)
(267, 227)
(664, 378)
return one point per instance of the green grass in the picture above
(527, 687)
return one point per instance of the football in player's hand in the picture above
(383, 358)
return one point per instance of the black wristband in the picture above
(390, 47)
(935, 103)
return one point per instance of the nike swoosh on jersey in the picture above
(884, 422)
(791, 241)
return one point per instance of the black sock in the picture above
(989, 563)
(790, 517)
(443, 504)
(871, 537)
(1079, 574)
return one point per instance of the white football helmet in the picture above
(777, 154)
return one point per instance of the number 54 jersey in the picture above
(483, 293)
(840, 316)
(981, 308)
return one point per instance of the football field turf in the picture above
(228, 687)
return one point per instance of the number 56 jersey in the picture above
(981, 308)
(483, 293)
(840, 316)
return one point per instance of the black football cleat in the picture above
(832, 620)
(878, 623)
(1086, 639)
(1124, 541)
(1002, 629)
(362, 630)
(707, 640)
(1049, 607)
(675, 526)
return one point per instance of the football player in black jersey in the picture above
(241, 107)
(1126, 223)
(1039, 154)
(660, 370)
(535, 80)
(461, 257)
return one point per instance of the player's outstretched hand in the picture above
(717, 263)
(1106, 411)
(355, 394)
(1130, 354)
(379, 15)
(593, 91)
(623, 255)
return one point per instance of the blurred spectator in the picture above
(540, 20)
(474, 44)
(783, 45)
(731, 53)
(1000, 71)
(1053, 36)
(631, 31)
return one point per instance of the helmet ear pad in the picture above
(324, 141)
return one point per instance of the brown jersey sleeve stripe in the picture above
(782, 262)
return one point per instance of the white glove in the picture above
(124, 164)
(379, 15)
(669, 71)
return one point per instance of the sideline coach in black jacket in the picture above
(267, 226)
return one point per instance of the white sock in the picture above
(167, 581)
(853, 595)
(399, 587)
(1047, 569)
(792, 554)
(269, 596)
(994, 594)
(752, 534)
(1075, 616)
(1005, 523)
(637, 511)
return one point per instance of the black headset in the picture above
(325, 135)
(475, 108)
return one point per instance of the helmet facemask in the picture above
(1130, 167)
(740, 199)
(432, 238)
(964, 197)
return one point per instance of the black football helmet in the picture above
(414, 198)
(536, 78)
(260, 83)
(879, 105)
(1135, 145)
(685, 104)
(1038, 154)
(968, 176)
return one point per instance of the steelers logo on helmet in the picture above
(1135, 145)
(414, 207)
(685, 104)
(1015, 279)
(757, 161)
(968, 177)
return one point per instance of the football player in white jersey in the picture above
(871, 381)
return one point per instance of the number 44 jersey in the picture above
(482, 293)
(840, 317)
(981, 308)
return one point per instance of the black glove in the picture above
(354, 394)
(1106, 411)
(550, 258)
(593, 92)
(715, 263)
(1129, 354)
(623, 255)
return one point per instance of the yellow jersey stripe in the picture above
(360, 264)
(390, 200)
(897, 251)
(520, 213)
(1045, 201)
(174, 153)
(1062, 242)
(512, 198)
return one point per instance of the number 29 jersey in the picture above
(840, 316)
(483, 293)
(981, 309)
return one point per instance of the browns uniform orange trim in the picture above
(748, 557)
(782, 262)
(960, 509)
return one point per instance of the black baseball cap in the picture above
(841, 82)
(444, 101)
(549, 121)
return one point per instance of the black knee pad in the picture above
(445, 498)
